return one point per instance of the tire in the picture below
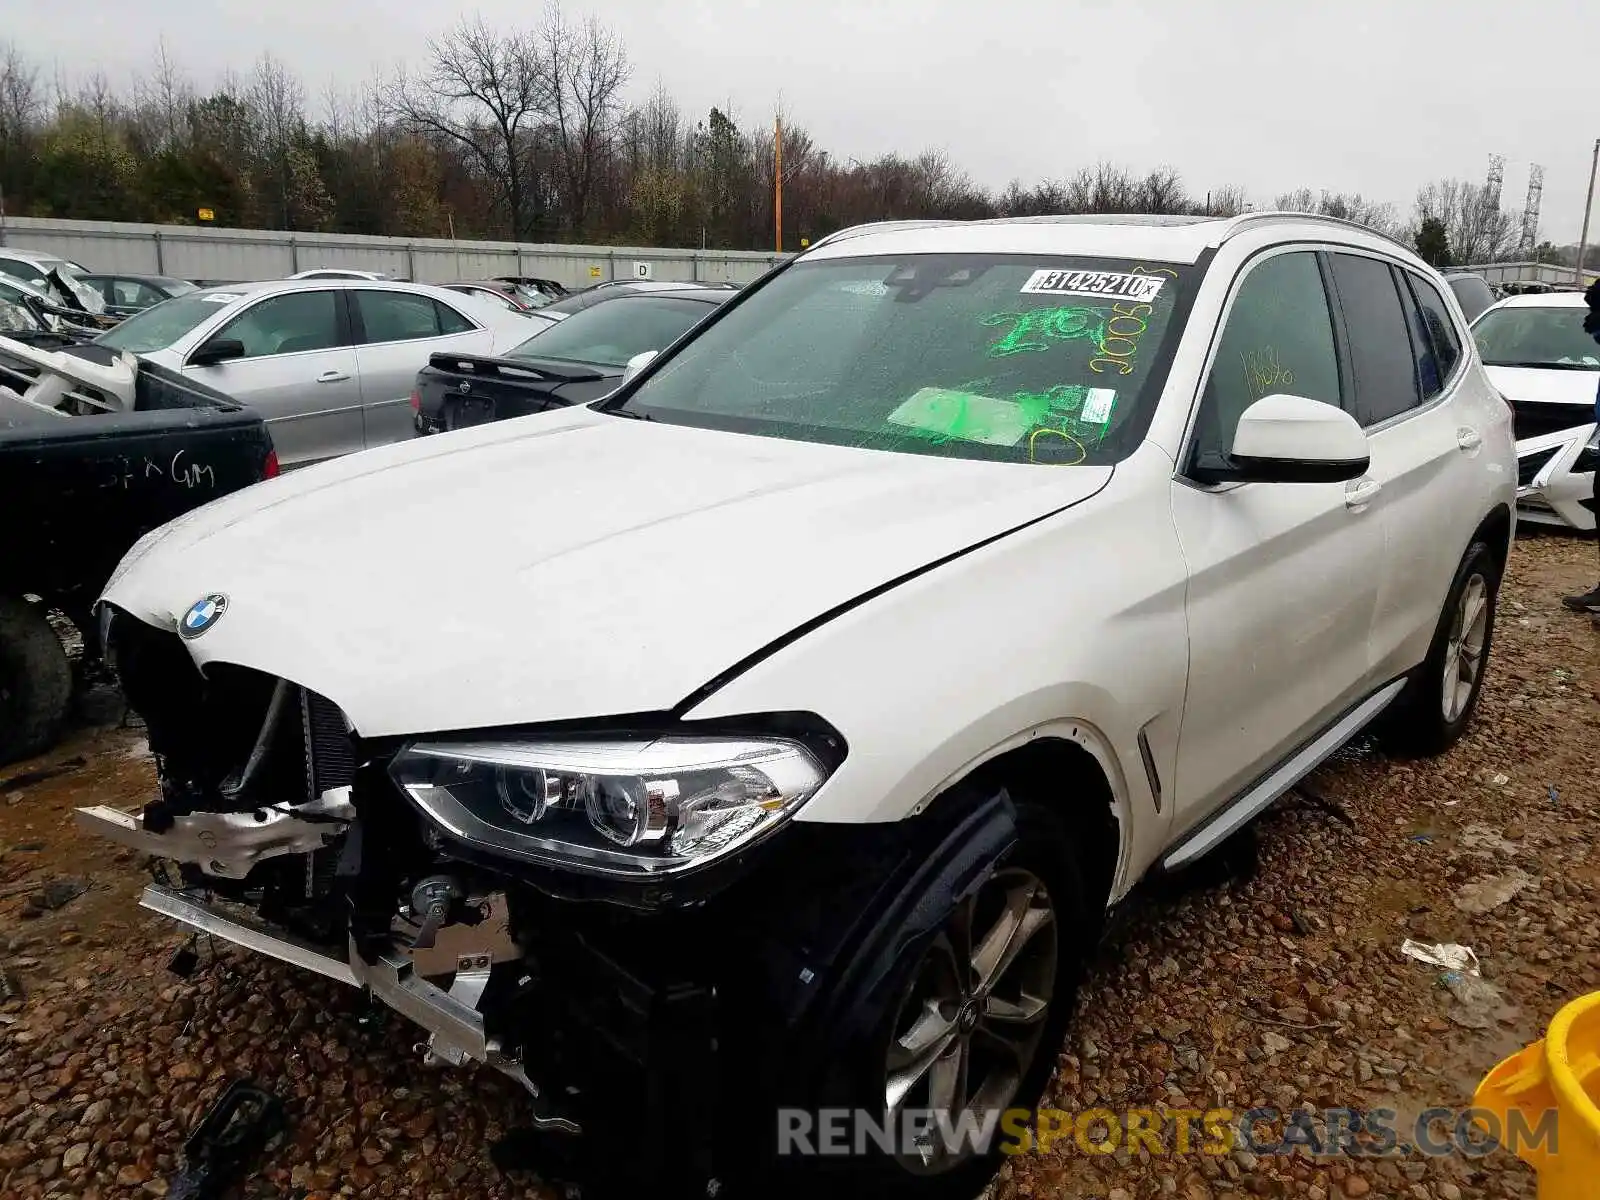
(1424, 719)
(913, 1004)
(35, 680)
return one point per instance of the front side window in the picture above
(1536, 336)
(608, 335)
(1013, 358)
(405, 316)
(288, 324)
(1380, 346)
(1277, 338)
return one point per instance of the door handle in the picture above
(1360, 493)
(1468, 439)
(333, 377)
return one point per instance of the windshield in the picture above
(1536, 337)
(1012, 358)
(608, 335)
(158, 326)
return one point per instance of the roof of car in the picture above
(300, 285)
(33, 256)
(1162, 237)
(703, 294)
(156, 279)
(1543, 300)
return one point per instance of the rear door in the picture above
(397, 331)
(298, 372)
(1421, 443)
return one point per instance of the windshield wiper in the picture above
(627, 412)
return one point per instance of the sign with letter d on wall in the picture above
(642, 270)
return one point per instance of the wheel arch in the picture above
(1496, 530)
(1067, 767)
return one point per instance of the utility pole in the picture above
(1588, 203)
(777, 180)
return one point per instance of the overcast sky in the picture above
(1375, 96)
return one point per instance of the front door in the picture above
(1283, 577)
(298, 371)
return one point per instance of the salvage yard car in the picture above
(1548, 369)
(783, 725)
(576, 361)
(96, 450)
(328, 362)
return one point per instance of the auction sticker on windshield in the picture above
(1113, 285)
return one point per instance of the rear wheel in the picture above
(1438, 701)
(35, 680)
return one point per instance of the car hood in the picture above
(1541, 386)
(564, 565)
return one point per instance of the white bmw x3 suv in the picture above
(770, 739)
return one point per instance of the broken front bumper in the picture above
(1555, 477)
(451, 1017)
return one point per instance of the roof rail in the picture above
(850, 231)
(1289, 214)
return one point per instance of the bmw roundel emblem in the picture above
(202, 615)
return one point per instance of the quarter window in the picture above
(1278, 338)
(1437, 345)
(1380, 348)
(288, 324)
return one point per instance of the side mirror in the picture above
(638, 363)
(1290, 439)
(215, 351)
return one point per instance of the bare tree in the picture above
(161, 103)
(1347, 206)
(1477, 228)
(278, 100)
(484, 92)
(586, 67)
(1162, 191)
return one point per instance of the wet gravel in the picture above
(1282, 988)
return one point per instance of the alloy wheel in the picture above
(970, 1023)
(1463, 652)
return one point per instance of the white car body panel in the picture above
(1560, 406)
(640, 578)
(1551, 491)
(643, 566)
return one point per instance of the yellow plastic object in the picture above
(1560, 1073)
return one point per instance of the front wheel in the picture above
(961, 1022)
(35, 680)
(1437, 704)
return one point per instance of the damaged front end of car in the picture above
(574, 910)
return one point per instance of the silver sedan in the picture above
(330, 363)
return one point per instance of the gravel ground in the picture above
(1284, 987)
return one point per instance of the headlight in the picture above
(626, 807)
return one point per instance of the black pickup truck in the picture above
(76, 491)
(576, 360)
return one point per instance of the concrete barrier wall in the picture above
(190, 252)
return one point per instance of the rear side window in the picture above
(1385, 373)
(404, 316)
(1438, 349)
